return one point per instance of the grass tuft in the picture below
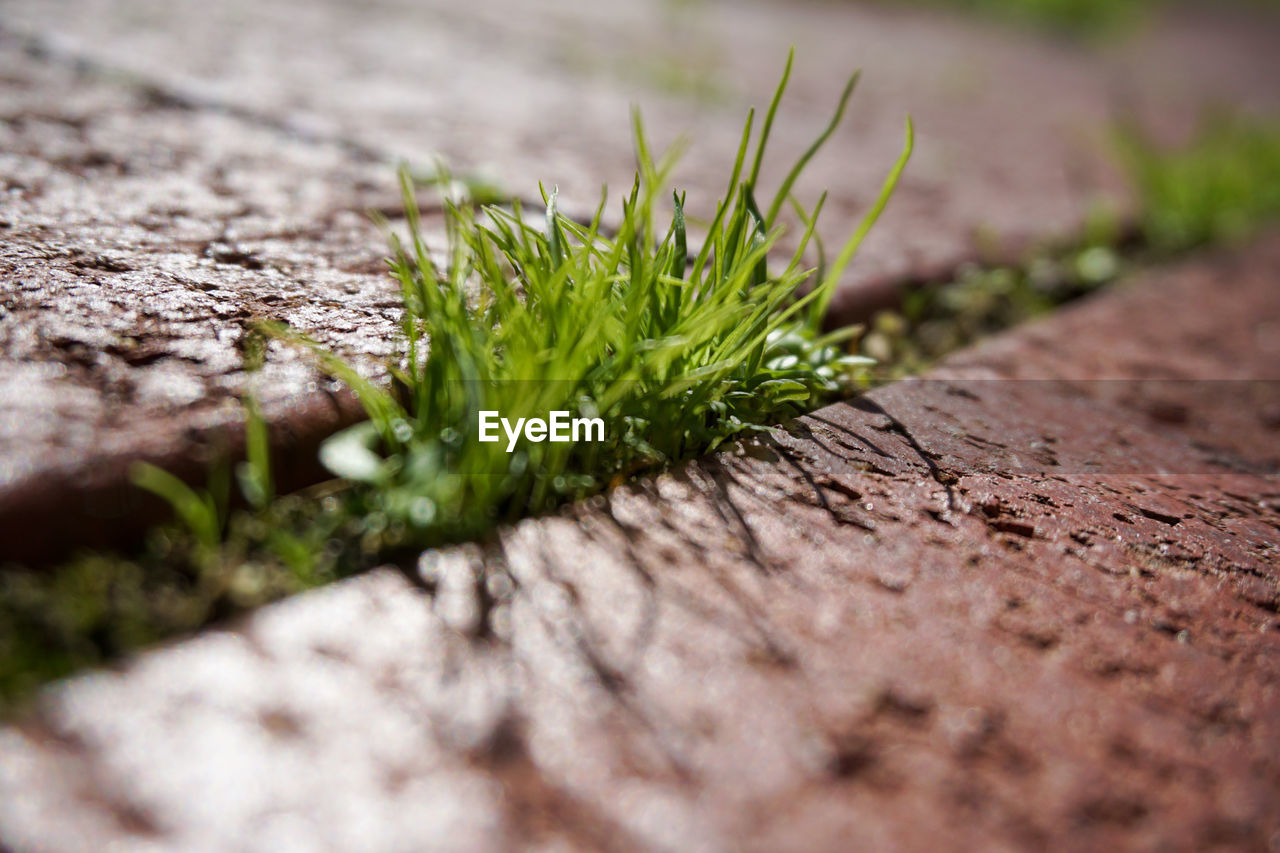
(525, 315)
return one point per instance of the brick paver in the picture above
(140, 239)
(1028, 601)
(1012, 145)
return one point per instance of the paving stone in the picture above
(1011, 605)
(140, 240)
(1013, 128)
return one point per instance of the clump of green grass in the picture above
(677, 347)
(676, 350)
(1217, 189)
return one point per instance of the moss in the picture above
(941, 317)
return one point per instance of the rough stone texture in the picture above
(1026, 602)
(1012, 147)
(140, 240)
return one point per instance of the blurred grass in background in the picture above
(1088, 19)
(1219, 189)
(1072, 17)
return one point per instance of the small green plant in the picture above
(676, 350)
(1216, 189)
(202, 512)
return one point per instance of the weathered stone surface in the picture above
(999, 608)
(1013, 128)
(140, 240)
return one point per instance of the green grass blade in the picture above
(827, 286)
(785, 189)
